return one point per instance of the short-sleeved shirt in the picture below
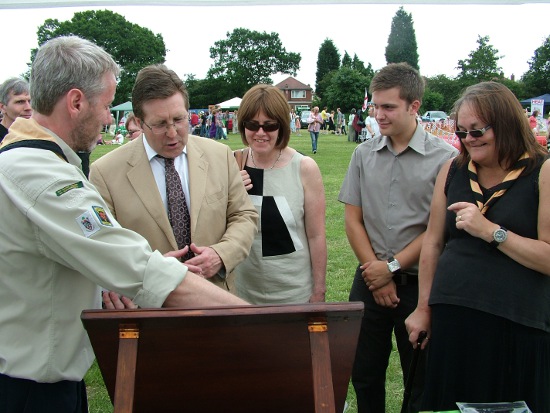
(395, 190)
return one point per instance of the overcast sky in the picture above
(444, 33)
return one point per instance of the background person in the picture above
(484, 266)
(132, 181)
(132, 127)
(324, 117)
(351, 129)
(15, 101)
(387, 192)
(371, 124)
(315, 122)
(533, 122)
(61, 241)
(340, 121)
(288, 259)
(292, 121)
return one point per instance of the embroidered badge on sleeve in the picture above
(67, 188)
(87, 224)
(102, 216)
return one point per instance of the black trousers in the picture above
(375, 345)
(27, 396)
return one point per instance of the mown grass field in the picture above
(333, 157)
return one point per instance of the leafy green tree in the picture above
(446, 88)
(204, 92)
(346, 60)
(402, 46)
(358, 65)
(517, 88)
(432, 101)
(481, 65)
(346, 89)
(132, 46)
(328, 60)
(247, 58)
(537, 78)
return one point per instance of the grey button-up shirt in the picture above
(395, 190)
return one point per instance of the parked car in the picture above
(303, 118)
(434, 116)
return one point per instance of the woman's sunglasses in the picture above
(254, 126)
(476, 133)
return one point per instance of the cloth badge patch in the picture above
(67, 188)
(102, 216)
(87, 224)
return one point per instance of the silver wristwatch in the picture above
(499, 236)
(393, 265)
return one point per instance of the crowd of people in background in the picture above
(449, 241)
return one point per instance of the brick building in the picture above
(298, 95)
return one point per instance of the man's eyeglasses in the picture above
(476, 133)
(131, 132)
(162, 129)
(254, 126)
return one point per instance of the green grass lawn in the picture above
(333, 157)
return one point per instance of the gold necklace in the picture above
(272, 166)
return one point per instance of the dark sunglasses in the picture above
(476, 133)
(254, 126)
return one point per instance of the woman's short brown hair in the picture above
(271, 101)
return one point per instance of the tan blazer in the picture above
(222, 215)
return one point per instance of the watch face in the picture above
(393, 266)
(500, 235)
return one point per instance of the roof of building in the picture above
(292, 84)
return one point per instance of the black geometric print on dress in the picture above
(276, 239)
(178, 213)
(257, 179)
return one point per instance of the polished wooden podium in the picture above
(249, 359)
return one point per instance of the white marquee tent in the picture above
(232, 103)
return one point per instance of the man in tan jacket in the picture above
(131, 180)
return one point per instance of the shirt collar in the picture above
(416, 143)
(151, 153)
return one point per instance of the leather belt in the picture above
(402, 278)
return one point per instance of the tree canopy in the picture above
(537, 78)
(132, 46)
(346, 89)
(328, 60)
(482, 63)
(247, 58)
(402, 46)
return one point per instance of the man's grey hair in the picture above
(66, 63)
(14, 85)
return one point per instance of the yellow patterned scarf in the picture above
(501, 188)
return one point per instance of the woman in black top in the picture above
(484, 276)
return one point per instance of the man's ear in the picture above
(75, 100)
(415, 106)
